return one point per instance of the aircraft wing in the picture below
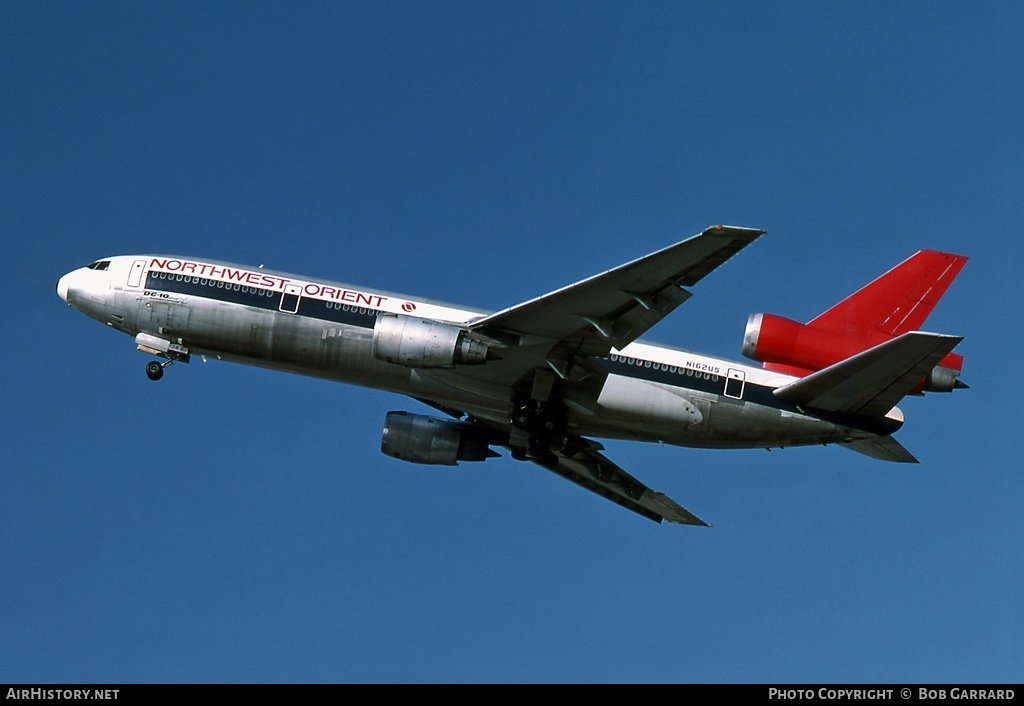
(549, 338)
(580, 460)
(872, 382)
(611, 309)
(590, 469)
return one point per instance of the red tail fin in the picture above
(893, 304)
(897, 302)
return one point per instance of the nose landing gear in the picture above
(163, 348)
(155, 369)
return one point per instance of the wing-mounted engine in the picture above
(421, 343)
(421, 439)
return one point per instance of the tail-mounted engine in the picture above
(421, 343)
(942, 379)
(783, 342)
(421, 439)
(786, 346)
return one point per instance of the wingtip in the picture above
(719, 227)
(690, 520)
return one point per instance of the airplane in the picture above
(547, 378)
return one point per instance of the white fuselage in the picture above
(326, 329)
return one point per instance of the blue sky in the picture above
(238, 525)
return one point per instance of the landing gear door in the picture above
(135, 273)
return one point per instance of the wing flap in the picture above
(872, 382)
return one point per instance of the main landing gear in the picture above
(537, 428)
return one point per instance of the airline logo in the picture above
(262, 280)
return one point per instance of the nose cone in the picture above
(62, 286)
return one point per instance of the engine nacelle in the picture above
(421, 343)
(421, 439)
(942, 379)
(775, 339)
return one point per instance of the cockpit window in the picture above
(99, 265)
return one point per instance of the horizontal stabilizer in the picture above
(883, 448)
(872, 382)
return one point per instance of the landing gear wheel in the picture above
(523, 417)
(154, 370)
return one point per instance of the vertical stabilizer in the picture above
(893, 304)
(897, 302)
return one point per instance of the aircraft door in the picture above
(290, 298)
(135, 273)
(734, 384)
